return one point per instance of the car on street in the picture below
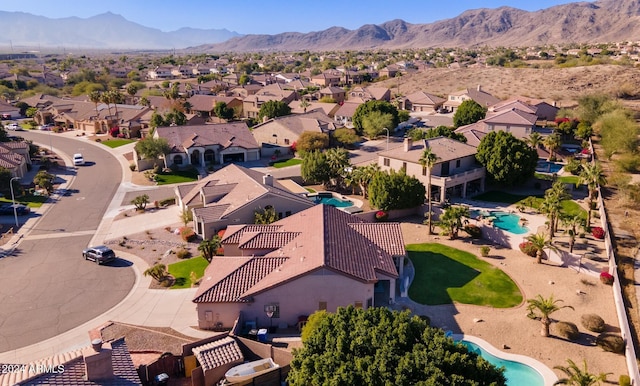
(78, 159)
(100, 254)
(13, 126)
(46, 127)
(7, 209)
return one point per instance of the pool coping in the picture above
(547, 374)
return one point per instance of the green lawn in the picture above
(181, 271)
(285, 163)
(113, 143)
(177, 177)
(574, 180)
(28, 200)
(499, 196)
(445, 275)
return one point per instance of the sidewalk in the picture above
(142, 306)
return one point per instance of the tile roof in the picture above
(74, 370)
(218, 353)
(211, 213)
(266, 240)
(347, 109)
(234, 233)
(513, 104)
(182, 137)
(512, 117)
(213, 193)
(314, 120)
(446, 149)
(423, 98)
(227, 279)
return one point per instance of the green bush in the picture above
(567, 330)
(528, 249)
(573, 166)
(628, 163)
(473, 231)
(484, 250)
(610, 342)
(593, 322)
(168, 201)
(624, 380)
(183, 253)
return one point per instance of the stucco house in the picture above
(456, 174)
(231, 195)
(517, 122)
(421, 101)
(281, 132)
(14, 156)
(543, 110)
(319, 259)
(202, 145)
(481, 97)
(344, 115)
(8, 111)
(365, 94)
(203, 105)
(274, 92)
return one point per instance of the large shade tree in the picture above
(508, 160)
(468, 112)
(382, 347)
(395, 190)
(272, 109)
(381, 107)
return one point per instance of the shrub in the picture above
(114, 131)
(592, 322)
(528, 249)
(183, 253)
(474, 231)
(187, 234)
(132, 167)
(382, 215)
(597, 232)
(484, 251)
(168, 201)
(624, 380)
(610, 342)
(606, 278)
(567, 330)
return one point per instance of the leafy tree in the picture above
(619, 132)
(152, 148)
(584, 131)
(157, 120)
(544, 307)
(382, 107)
(186, 216)
(375, 123)
(508, 159)
(158, 272)
(382, 347)
(468, 112)
(593, 176)
(428, 161)
(315, 167)
(345, 136)
(31, 112)
(591, 107)
(451, 220)
(222, 111)
(539, 242)
(5, 178)
(208, 248)
(175, 117)
(575, 376)
(141, 202)
(310, 140)
(44, 180)
(272, 109)
(267, 215)
(338, 161)
(395, 190)
(403, 115)
(23, 106)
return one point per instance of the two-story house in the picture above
(478, 95)
(456, 173)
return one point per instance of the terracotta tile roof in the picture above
(423, 98)
(13, 145)
(446, 149)
(512, 117)
(315, 120)
(513, 104)
(227, 279)
(384, 235)
(182, 137)
(347, 109)
(218, 353)
(234, 233)
(74, 371)
(266, 240)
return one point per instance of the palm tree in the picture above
(572, 222)
(552, 205)
(451, 219)
(208, 248)
(338, 160)
(158, 272)
(95, 97)
(593, 176)
(364, 175)
(552, 142)
(106, 98)
(427, 161)
(579, 377)
(534, 140)
(545, 307)
(539, 241)
(304, 104)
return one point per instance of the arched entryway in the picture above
(209, 157)
(195, 157)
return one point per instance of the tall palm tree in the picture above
(451, 219)
(572, 222)
(95, 97)
(364, 175)
(552, 142)
(593, 176)
(535, 140)
(304, 104)
(338, 160)
(579, 377)
(545, 307)
(427, 161)
(552, 205)
(539, 241)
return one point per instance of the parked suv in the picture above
(100, 254)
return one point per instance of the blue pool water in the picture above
(328, 199)
(548, 167)
(506, 221)
(517, 373)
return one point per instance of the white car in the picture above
(78, 160)
(12, 126)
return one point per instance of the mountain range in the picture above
(581, 22)
(104, 31)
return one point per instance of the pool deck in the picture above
(547, 374)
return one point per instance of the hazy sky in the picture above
(266, 16)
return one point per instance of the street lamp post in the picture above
(384, 128)
(13, 199)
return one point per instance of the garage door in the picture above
(234, 157)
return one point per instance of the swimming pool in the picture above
(544, 166)
(328, 198)
(517, 373)
(506, 221)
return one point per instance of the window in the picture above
(177, 160)
(386, 161)
(322, 306)
(457, 163)
(286, 141)
(358, 305)
(274, 309)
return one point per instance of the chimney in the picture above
(479, 88)
(97, 361)
(408, 144)
(267, 179)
